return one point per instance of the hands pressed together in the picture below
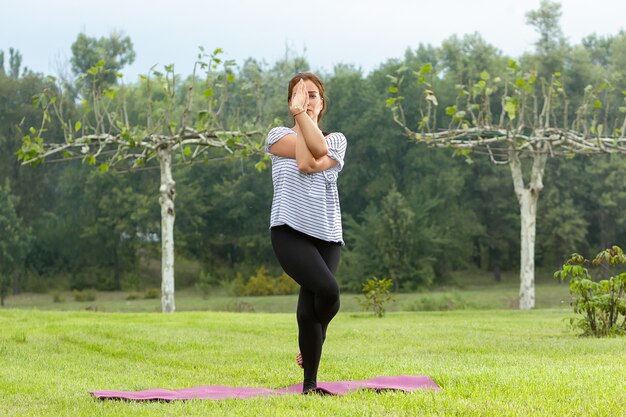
(299, 99)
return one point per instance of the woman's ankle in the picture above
(308, 385)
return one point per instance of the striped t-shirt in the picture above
(307, 202)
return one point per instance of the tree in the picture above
(116, 51)
(14, 239)
(183, 125)
(15, 64)
(534, 123)
(551, 46)
(393, 239)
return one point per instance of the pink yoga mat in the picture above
(219, 392)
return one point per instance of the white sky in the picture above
(364, 33)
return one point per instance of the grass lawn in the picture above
(488, 362)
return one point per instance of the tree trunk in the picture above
(527, 198)
(497, 274)
(166, 200)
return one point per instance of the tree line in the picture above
(410, 213)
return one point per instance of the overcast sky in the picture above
(364, 33)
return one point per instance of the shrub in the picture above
(84, 295)
(238, 285)
(285, 285)
(36, 283)
(204, 284)
(130, 282)
(260, 284)
(57, 297)
(376, 295)
(152, 293)
(132, 296)
(602, 303)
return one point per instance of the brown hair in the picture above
(309, 76)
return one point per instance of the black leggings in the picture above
(312, 263)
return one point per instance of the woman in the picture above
(305, 221)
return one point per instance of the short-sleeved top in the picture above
(307, 202)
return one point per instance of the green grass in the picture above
(488, 362)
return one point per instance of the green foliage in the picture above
(5, 284)
(285, 285)
(15, 63)
(393, 239)
(204, 283)
(259, 284)
(460, 216)
(262, 283)
(88, 294)
(376, 295)
(57, 297)
(15, 239)
(152, 293)
(601, 303)
(102, 59)
(130, 281)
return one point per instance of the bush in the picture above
(375, 295)
(57, 297)
(36, 283)
(602, 304)
(236, 287)
(260, 284)
(93, 277)
(130, 282)
(285, 285)
(84, 295)
(204, 284)
(152, 293)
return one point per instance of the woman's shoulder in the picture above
(333, 135)
(336, 137)
(277, 133)
(284, 130)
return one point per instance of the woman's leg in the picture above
(305, 260)
(331, 254)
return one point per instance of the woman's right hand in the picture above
(299, 98)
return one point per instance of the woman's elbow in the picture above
(322, 152)
(306, 167)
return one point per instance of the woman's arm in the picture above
(294, 147)
(307, 162)
(313, 136)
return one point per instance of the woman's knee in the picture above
(330, 291)
(328, 299)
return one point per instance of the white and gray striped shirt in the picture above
(306, 202)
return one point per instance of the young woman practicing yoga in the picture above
(305, 221)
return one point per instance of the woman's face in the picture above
(316, 102)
